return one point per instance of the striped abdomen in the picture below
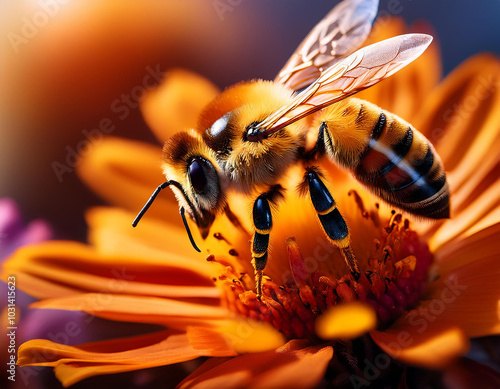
(391, 157)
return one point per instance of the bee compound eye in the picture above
(197, 175)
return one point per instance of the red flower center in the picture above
(392, 280)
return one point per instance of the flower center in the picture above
(394, 268)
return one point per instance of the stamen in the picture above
(299, 271)
(390, 278)
(359, 203)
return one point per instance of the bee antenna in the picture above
(188, 230)
(182, 211)
(149, 202)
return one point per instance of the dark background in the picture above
(85, 55)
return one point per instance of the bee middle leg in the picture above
(330, 218)
(263, 223)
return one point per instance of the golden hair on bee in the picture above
(250, 164)
(249, 135)
(190, 162)
(240, 94)
(351, 121)
(387, 154)
(179, 149)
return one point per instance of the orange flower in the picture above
(427, 287)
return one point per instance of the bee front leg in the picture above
(263, 222)
(330, 218)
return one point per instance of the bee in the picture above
(251, 133)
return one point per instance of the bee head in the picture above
(190, 168)
(188, 161)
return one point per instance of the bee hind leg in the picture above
(330, 218)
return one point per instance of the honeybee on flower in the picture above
(251, 134)
(424, 288)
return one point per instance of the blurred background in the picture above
(64, 64)
(67, 66)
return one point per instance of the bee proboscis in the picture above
(249, 136)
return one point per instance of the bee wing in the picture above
(358, 71)
(341, 31)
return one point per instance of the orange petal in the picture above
(126, 173)
(462, 303)
(111, 233)
(175, 105)
(39, 287)
(433, 348)
(488, 220)
(460, 116)
(346, 321)
(467, 296)
(485, 203)
(485, 175)
(293, 365)
(249, 336)
(167, 242)
(47, 269)
(138, 309)
(74, 363)
(482, 152)
(469, 247)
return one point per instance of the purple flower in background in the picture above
(13, 231)
(67, 327)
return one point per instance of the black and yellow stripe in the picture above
(396, 161)
(403, 168)
(263, 222)
(330, 218)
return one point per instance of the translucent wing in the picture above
(358, 71)
(343, 30)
